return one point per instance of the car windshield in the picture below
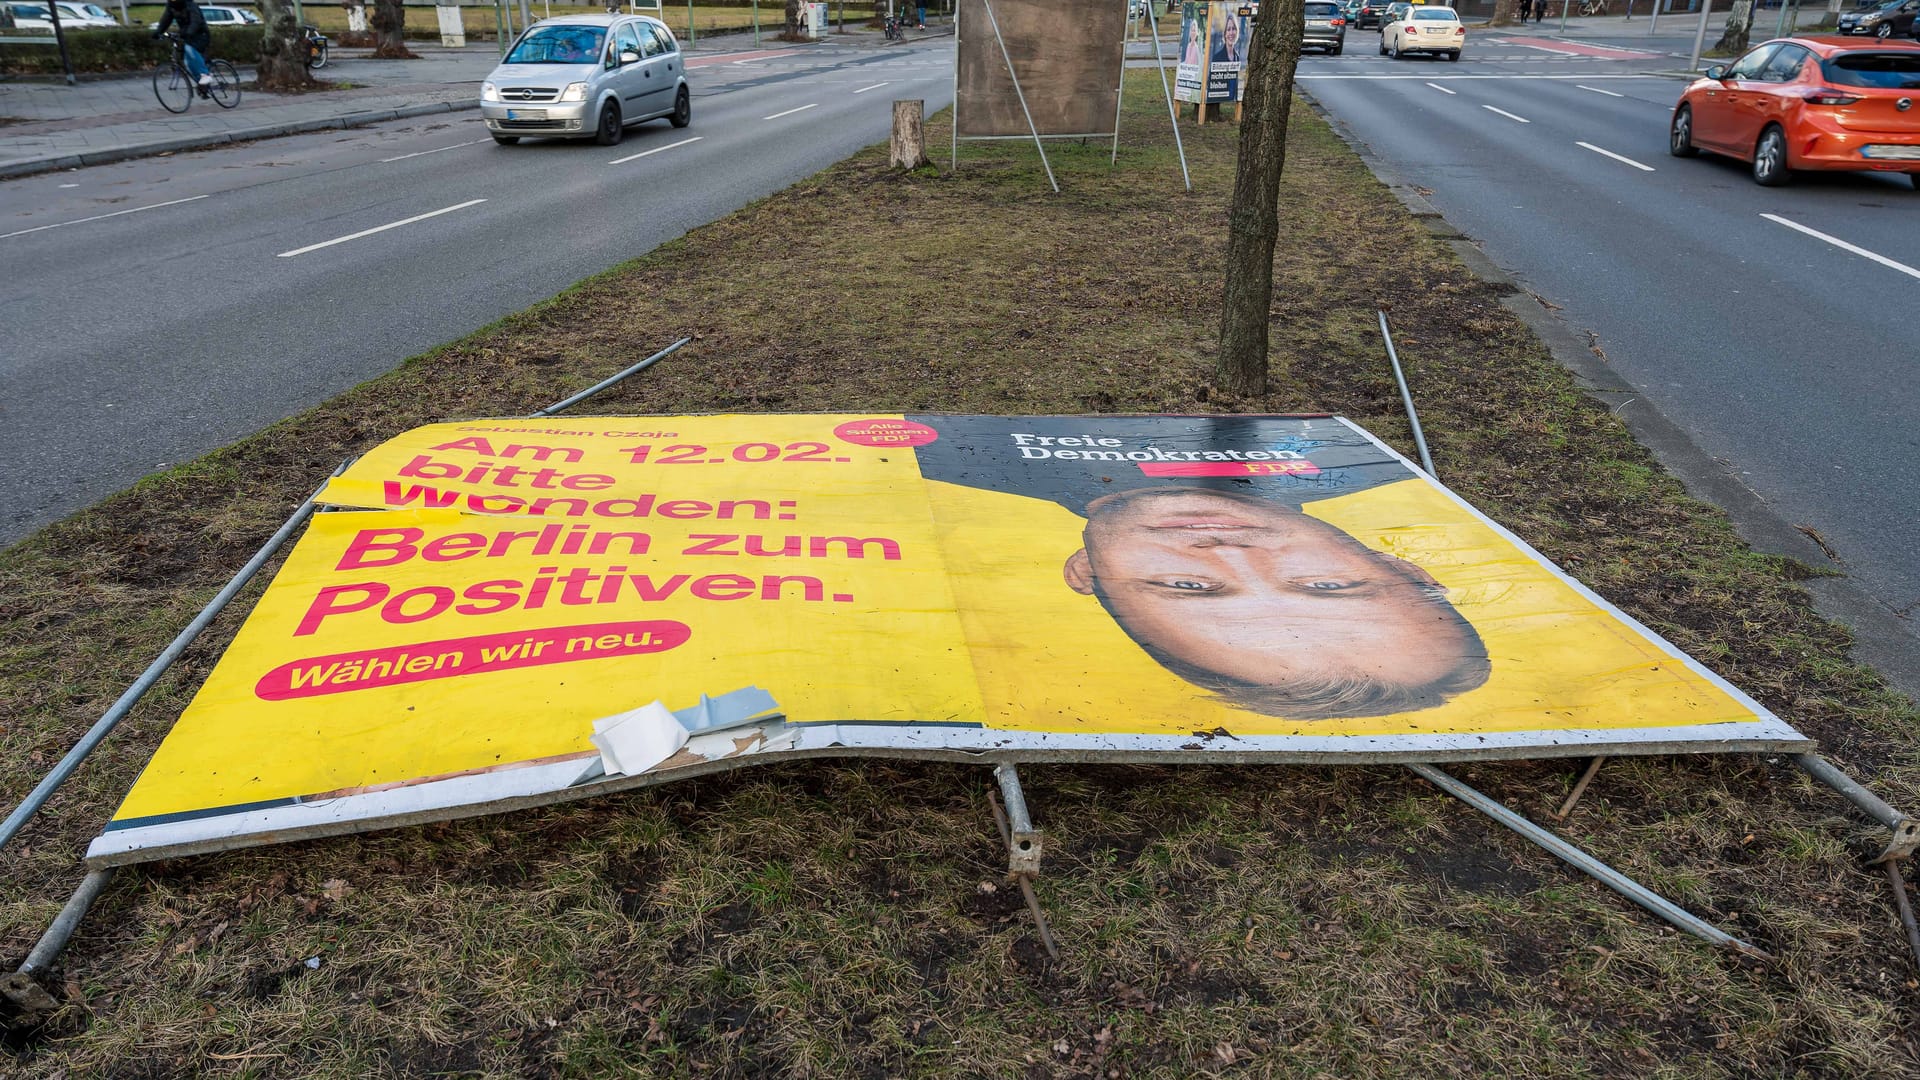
(1886, 70)
(559, 45)
(1434, 16)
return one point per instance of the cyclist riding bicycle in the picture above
(193, 34)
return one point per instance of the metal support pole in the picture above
(1406, 397)
(994, 20)
(756, 23)
(1166, 89)
(1564, 5)
(1899, 882)
(1023, 841)
(604, 383)
(1023, 877)
(55, 939)
(1579, 789)
(102, 727)
(60, 39)
(693, 37)
(1599, 871)
(953, 129)
(1119, 92)
(1700, 35)
(1653, 18)
(1906, 831)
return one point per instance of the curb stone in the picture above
(1880, 638)
(31, 166)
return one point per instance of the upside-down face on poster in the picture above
(514, 612)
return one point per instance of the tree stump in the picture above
(908, 148)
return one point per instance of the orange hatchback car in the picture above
(1808, 103)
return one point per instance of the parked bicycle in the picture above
(175, 87)
(895, 26)
(317, 45)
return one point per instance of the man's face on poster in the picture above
(1249, 592)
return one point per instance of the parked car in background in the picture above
(1326, 27)
(221, 15)
(30, 16)
(581, 76)
(1818, 103)
(1892, 19)
(81, 15)
(1396, 10)
(1436, 31)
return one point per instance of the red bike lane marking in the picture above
(1570, 48)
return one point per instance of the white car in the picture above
(83, 15)
(1433, 30)
(229, 16)
(30, 17)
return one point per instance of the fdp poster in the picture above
(970, 587)
(1213, 50)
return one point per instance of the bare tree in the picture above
(283, 49)
(389, 31)
(1736, 35)
(1253, 218)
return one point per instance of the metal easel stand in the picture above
(1038, 143)
(1613, 879)
(1023, 844)
(20, 988)
(1166, 88)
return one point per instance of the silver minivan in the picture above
(587, 75)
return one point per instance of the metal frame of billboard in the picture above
(1033, 131)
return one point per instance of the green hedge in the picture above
(120, 50)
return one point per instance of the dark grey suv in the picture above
(1326, 27)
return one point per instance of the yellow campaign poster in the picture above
(490, 595)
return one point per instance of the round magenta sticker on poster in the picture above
(885, 433)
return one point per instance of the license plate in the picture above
(1891, 153)
(526, 114)
(1319, 26)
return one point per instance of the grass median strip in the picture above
(836, 919)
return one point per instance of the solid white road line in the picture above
(1597, 90)
(380, 228)
(1614, 156)
(99, 217)
(790, 112)
(655, 150)
(1443, 89)
(1844, 246)
(1506, 114)
(424, 153)
(875, 86)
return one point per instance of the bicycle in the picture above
(317, 46)
(176, 88)
(894, 27)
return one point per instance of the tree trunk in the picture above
(1507, 12)
(908, 148)
(389, 31)
(1253, 218)
(793, 20)
(283, 49)
(1735, 36)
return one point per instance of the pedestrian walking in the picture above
(1540, 10)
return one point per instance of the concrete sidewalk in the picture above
(48, 125)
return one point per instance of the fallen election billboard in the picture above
(488, 618)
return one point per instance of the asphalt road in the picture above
(186, 320)
(1738, 310)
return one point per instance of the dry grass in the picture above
(851, 920)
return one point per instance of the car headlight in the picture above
(489, 92)
(1873, 18)
(574, 92)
